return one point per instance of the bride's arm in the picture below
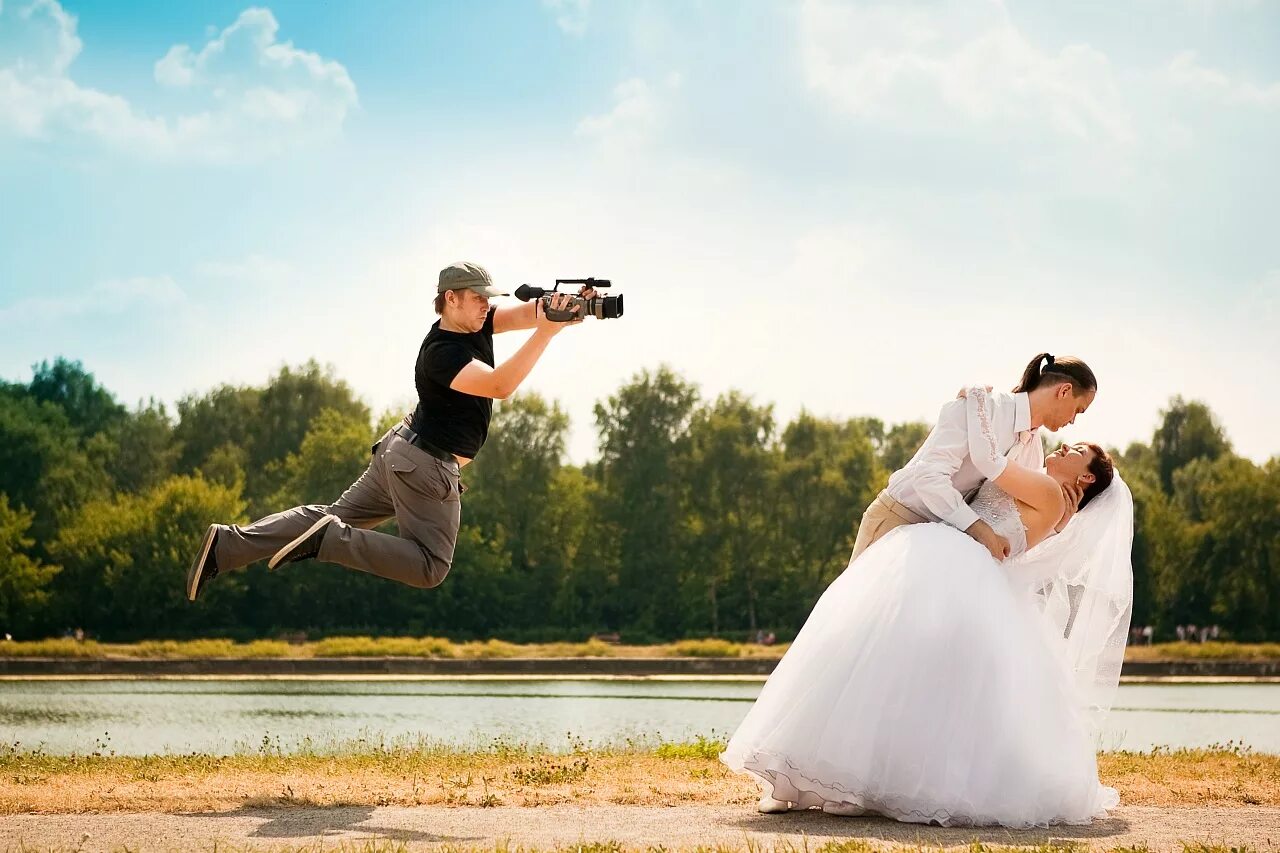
(1035, 489)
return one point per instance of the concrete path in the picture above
(426, 827)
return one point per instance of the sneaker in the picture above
(205, 566)
(306, 546)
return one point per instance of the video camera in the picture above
(600, 307)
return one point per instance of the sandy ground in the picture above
(426, 827)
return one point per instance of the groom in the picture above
(969, 445)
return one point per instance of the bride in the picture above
(932, 683)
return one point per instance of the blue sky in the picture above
(847, 207)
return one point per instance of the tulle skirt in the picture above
(925, 687)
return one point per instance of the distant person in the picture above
(1148, 634)
(1181, 632)
(415, 474)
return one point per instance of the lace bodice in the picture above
(996, 507)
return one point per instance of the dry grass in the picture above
(417, 647)
(503, 774)
(1204, 651)
(1193, 777)
(438, 647)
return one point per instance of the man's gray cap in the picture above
(468, 276)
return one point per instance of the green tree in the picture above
(1161, 537)
(644, 443)
(586, 588)
(334, 452)
(731, 500)
(513, 499)
(42, 465)
(90, 408)
(828, 475)
(227, 416)
(24, 580)
(901, 443)
(267, 423)
(137, 451)
(1233, 577)
(1187, 431)
(125, 558)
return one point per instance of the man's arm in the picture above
(480, 380)
(933, 481)
(518, 318)
(515, 318)
(963, 430)
(984, 450)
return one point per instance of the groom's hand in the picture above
(992, 541)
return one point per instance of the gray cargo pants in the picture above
(403, 482)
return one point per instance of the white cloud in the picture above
(637, 115)
(571, 15)
(38, 37)
(1186, 73)
(250, 95)
(1206, 8)
(927, 67)
(112, 296)
(256, 270)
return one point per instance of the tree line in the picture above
(700, 516)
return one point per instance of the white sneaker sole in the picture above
(197, 568)
(280, 555)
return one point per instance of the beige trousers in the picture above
(883, 515)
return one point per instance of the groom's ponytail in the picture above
(1045, 368)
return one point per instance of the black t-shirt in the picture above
(449, 419)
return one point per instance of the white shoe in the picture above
(768, 805)
(843, 809)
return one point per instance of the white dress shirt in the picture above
(973, 441)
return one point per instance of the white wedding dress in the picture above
(928, 686)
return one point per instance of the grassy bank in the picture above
(435, 647)
(417, 647)
(423, 773)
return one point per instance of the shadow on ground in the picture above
(311, 822)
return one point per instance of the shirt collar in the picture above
(1021, 411)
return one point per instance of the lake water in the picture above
(224, 716)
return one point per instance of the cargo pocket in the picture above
(424, 478)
